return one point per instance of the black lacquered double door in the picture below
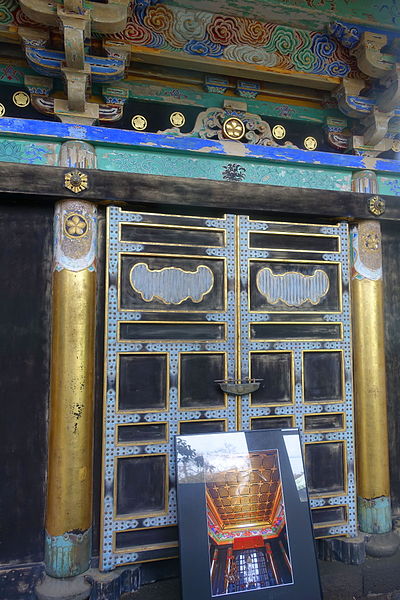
(196, 301)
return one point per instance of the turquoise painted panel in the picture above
(25, 151)
(68, 554)
(375, 515)
(389, 185)
(217, 168)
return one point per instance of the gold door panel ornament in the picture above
(193, 300)
(171, 285)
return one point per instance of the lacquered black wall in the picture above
(391, 274)
(25, 259)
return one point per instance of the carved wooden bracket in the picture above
(105, 18)
(350, 102)
(359, 147)
(118, 50)
(76, 28)
(77, 86)
(370, 59)
(67, 64)
(337, 133)
(389, 99)
(376, 126)
(36, 38)
(374, 112)
(40, 88)
(74, 64)
(88, 116)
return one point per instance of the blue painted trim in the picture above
(375, 515)
(164, 142)
(68, 555)
(391, 35)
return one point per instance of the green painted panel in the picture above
(217, 168)
(389, 185)
(13, 74)
(26, 151)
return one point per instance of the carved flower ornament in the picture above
(76, 181)
(75, 225)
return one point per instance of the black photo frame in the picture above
(244, 519)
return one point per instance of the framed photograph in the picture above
(244, 519)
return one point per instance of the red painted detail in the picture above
(256, 541)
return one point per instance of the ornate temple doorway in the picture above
(195, 307)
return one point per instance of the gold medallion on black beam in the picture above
(177, 119)
(279, 132)
(76, 181)
(2, 110)
(21, 99)
(139, 122)
(310, 143)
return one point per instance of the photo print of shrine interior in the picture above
(247, 525)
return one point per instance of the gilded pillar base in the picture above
(68, 554)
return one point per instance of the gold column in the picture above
(69, 493)
(373, 485)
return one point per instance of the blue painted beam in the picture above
(166, 142)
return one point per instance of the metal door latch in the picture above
(239, 387)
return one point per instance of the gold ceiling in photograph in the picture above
(246, 497)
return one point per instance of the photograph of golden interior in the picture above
(246, 519)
